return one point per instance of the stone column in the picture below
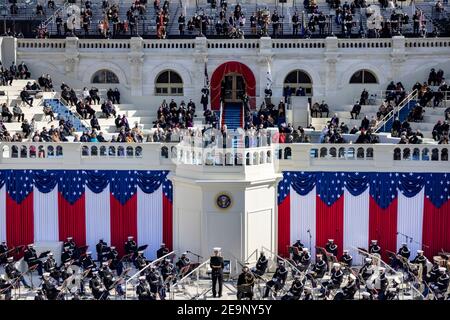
(72, 57)
(136, 61)
(264, 59)
(198, 76)
(397, 57)
(331, 58)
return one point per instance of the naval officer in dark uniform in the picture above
(217, 265)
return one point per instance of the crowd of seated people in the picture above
(172, 115)
(441, 131)
(321, 109)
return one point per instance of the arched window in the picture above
(105, 76)
(363, 76)
(168, 83)
(299, 78)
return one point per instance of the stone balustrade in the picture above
(282, 156)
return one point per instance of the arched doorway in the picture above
(233, 87)
(236, 78)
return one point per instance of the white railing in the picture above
(233, 44)
(396, 110)
(162, 155)
(137, 274)
(187, 279)
(221, 115)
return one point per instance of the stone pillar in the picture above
(200, 58)
(331, 58)
(8, 50)
(72, 57)
(136, 61)
(397, 57)
(264, 59)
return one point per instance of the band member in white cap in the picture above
(48, 287)
(140, 261)
(245, 283)
(261, 265)
(335, 281)
(384, 284)
(374, 247)
(131, 246)
(331, 247)
(143, 290)
(350, 288)
(216, 263)
(162, 251)
(346, 259)
(99, 248)
(278, 279)
(305, 260)
(183, 264)
(13, 273)
(31, 258)
(420, 259)
(296, 290)
(367, 269)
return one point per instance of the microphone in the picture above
(308, 231)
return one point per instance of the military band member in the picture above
(346, 259)
(374, 248)
(366, 270)
(99, 248)
(131, 246)
(14, 274)
(384, 284)
(296, 290)
(66, 255)
(305, 259)
(404, 251)
(245, 283)
(421, 260)
(31, 258)
(156, 283)
(299, 245)
(143, 290)
(48, 287)
(51, 267)
(331, 247)
(350, 288)
(87, 262)
(216, 263)
(70, 243)
(403, 255)
(168, 272)
(319, 268)
(261, 265)
(183, 264)
(278, 279)
(116, 263)
(433, 274)
(162, 251)
(98, 289)
(5, 287)
(72, 247)
(3, 252)
(140, 262)
(108, 279)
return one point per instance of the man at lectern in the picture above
(217, 265)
